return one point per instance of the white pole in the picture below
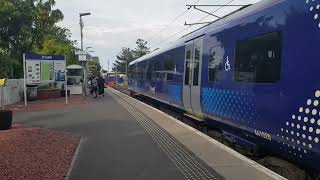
(66, 80)
(85, 76)
(2, 104)
(24, 80)
(66, 87)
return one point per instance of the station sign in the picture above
(82, 56)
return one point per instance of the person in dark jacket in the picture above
(94, 86)
(101, 83)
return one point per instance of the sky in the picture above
(114, 24)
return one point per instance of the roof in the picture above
(74, 66)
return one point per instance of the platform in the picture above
(124, 138)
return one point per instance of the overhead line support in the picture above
(215, 5)
(206, 12)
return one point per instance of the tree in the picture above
(57, 41)
(16, 34)
(50, 38)
(124, 57)
(54, 46)
(46, 19)
(31, 26)
(95, 67)
(141, 49)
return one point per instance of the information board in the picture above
(47, 70)
(33, 72)
(44, 68)
(60, 70)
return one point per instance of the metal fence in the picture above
(13, 92)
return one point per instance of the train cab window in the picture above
(169, 65)
(216, 63)
(258, 60)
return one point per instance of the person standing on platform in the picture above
(101, 83)
(94, 87)
(90, 85)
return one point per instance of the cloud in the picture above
(117, 23)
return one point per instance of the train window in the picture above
(196, 66)
(134, 73)
(157, 71)
(169, 68)
(187, 67)
(149, 71)
(216, 63)
(131, 72)
(258, 60)
(141, 72)
(153, 77)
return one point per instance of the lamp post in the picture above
(81, 26)
(84, 64)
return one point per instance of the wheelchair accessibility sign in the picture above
(227, 65)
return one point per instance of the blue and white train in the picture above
(253, 75)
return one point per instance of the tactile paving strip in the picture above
(188, 163)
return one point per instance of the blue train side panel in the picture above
(287, 110)
(167, 91)
(281, 117)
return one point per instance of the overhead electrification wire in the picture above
(196, 2)
(166, 26)
(216, 10)
(169, 37)
(190, 26)
(172, 21)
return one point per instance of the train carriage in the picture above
(252, 74)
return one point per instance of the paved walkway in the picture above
(124, 138)
(116, 145)
(42, 105)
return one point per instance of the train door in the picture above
(192, 76)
